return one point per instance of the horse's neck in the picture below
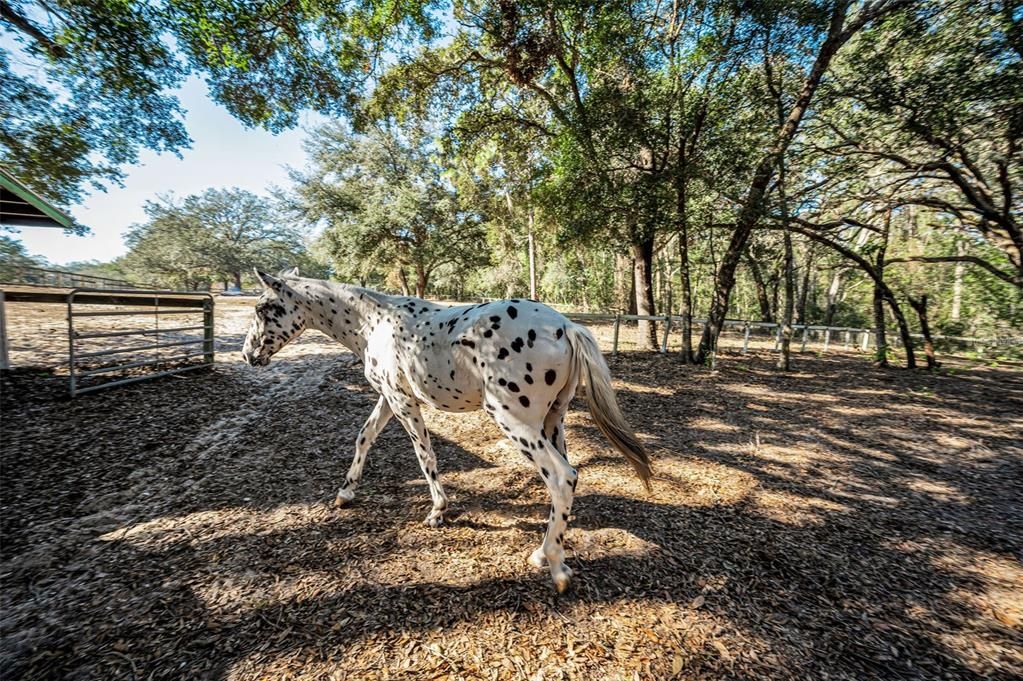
(349, 313)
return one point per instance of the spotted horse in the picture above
(519, 360)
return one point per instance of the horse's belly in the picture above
(468, 403)
(448, 395)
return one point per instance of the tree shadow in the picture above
(243, 555)
(770, 578)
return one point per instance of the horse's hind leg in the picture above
(554, 432)
(554, 422)
(560, 478)
(370, 430)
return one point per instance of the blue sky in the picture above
(224, 153)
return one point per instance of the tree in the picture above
(106, 70)
(109, 270)
(13, 257)
(931, 102)
(109, 68)
(221, 234)
(615, 91)
(792, 160)
(388, 204)
(840, 28)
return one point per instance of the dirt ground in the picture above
(838, 522)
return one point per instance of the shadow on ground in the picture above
(838, 522)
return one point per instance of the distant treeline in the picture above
(841, 163)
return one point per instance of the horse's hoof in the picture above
(537, 559)
(562, 582)
(434, 520)
(343, 498)
(562, 578)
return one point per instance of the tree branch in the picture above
(20, 22)
(1004, 276)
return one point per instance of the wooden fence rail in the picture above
(40, 276)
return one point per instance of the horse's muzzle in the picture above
(254, 360)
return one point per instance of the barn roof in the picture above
(22, 207)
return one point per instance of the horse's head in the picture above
(278, 319)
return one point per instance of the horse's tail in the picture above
(589, 366)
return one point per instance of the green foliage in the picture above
(110, 270)
(601, 130)
(388, 204)
(935, 93)
(14, 256)
(217, 236)
(105, 69)
(108, 65)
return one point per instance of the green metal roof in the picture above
(20, 206)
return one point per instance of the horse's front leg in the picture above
(370, 430)
(407, 411)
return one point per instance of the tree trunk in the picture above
(881, 338)
(687, 301)
(804, 290)
(631, 300)
(785, 358)
(682, 206)
(881, 354)
(643, 253)
(882, 292)
(762, 298)
(238, 280)
(666, 289)
(422, 279)
(833, 290)
(531, 245)
(774, 284)
(925, 328)
(904, 334)
(404, 281)
(957, 283)
(753, 205)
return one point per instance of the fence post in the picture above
(618, 324)
(806, 335)
(745, 338)
(667, 330)
(5, 360)
(848, 339)
(207, 332)
(827, 338)
(777, 339)
(865, 345)
(72, 379)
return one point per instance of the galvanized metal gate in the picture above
(167, 334)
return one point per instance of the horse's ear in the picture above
(293, 272)
(268, 280)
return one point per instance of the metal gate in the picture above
(167, 331)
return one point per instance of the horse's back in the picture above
(515, 351)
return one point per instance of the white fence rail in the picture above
(828, 338)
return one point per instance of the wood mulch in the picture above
(838, 522)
